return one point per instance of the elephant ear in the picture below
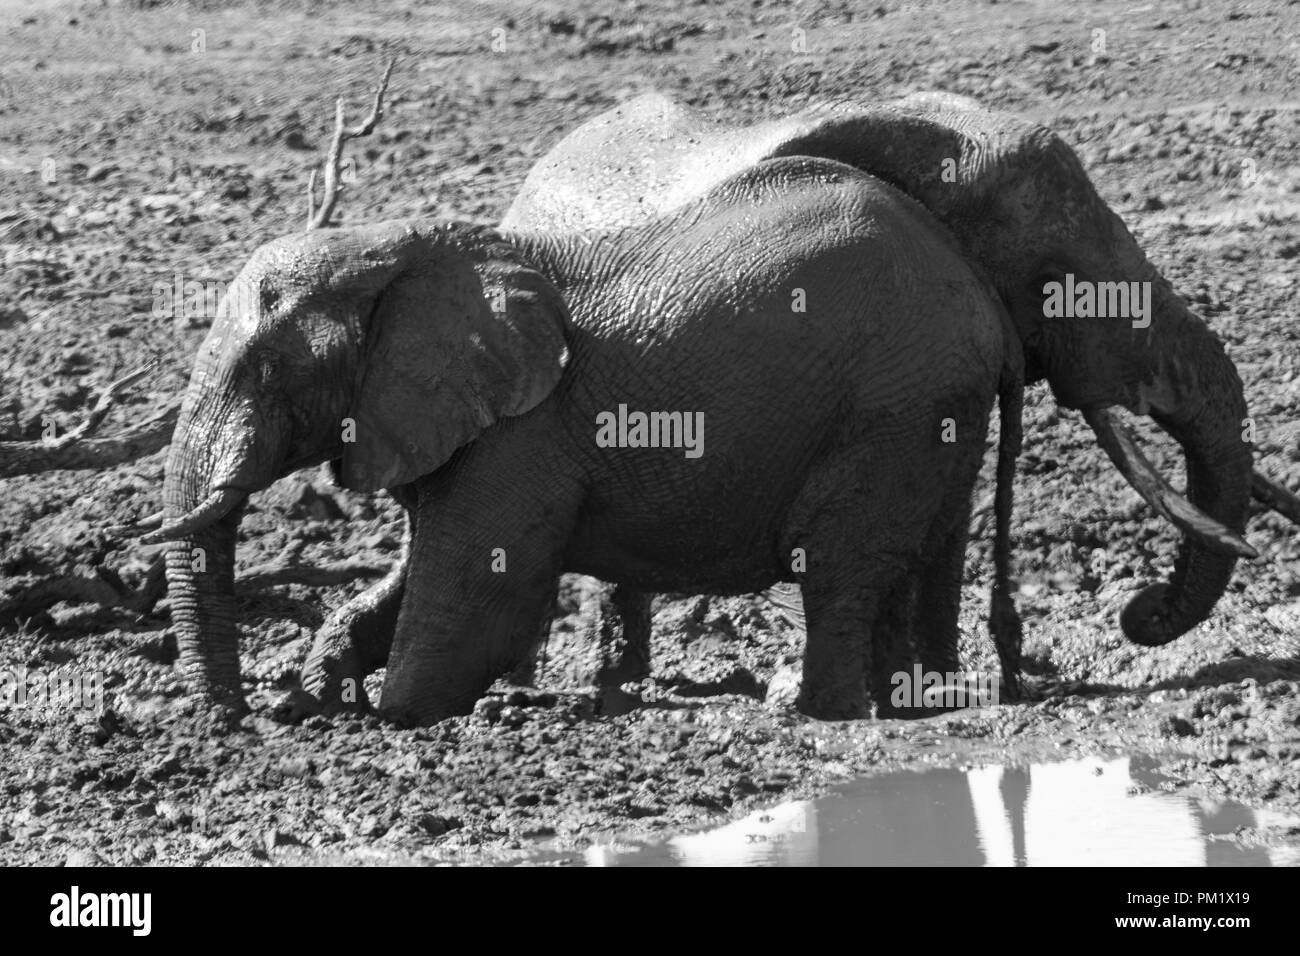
(452, 346)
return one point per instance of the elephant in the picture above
(1024, 214)
(788, 379)
(1018, 204)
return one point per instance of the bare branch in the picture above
(319, 218)
(20, 600)
(276, 572)
(33, 457)
(1271, 494)
(98, 413)
(102, 586)
(311, 199)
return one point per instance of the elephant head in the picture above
(1021, 207)
(383, 347)
(1022, 210)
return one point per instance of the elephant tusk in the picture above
(1270, 493)
(1122, 447)
(215, 507)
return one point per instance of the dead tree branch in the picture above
(101, 409)
(319, 218)
(77, 450)
(274, 572)
(1272, 495)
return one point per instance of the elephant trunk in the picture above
(1197, 398)
(200, 522)
(201, 583)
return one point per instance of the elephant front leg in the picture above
(481, 583)
(355, 641)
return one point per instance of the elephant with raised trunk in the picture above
(1024, 214)
(494, 378)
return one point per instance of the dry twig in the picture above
(319, 218)
(77, 450)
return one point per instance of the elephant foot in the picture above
(837, 702)
(215, 718)
(333, 678)
(614, 701)
(1011, 689)
(1008, 638)
(821, 709)
(627, 668)
(888, 711)
(296, 707)
(215, 701)
(617, 619)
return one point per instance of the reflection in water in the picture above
(1078, 813)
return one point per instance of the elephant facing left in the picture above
(786, 380)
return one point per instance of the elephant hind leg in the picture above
(625, 657)
(936, 629)
(837, 658)
(925, 616)
(894, 639)
(863, 526)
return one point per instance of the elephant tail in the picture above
(1004, 620)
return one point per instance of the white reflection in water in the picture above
(1079, 813)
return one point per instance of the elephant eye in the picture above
(268, 368)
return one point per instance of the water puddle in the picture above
(1090, 812)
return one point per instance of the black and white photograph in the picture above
(649, 433)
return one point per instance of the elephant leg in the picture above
(924, 614)
(935, 630)
(625, 650)
(1004, 619)
(355, 640)
(851, 549)
(894, 643)
(482, 579)
(525, 673)
(866, 521)
(447, 653)
(919, 622)
(837, 658)
(937, 611)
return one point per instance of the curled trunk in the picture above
(1207, 418)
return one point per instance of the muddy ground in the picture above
(133, 148)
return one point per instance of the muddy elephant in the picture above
(787, 380)
(1024, 214)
